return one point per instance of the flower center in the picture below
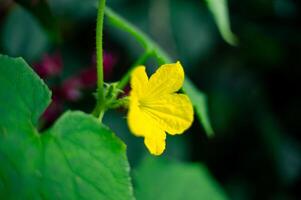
(143, 103)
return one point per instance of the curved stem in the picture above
(99, 55)
(151, 48)
(147, 43)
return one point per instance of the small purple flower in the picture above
(50, 65)
(88, 77)
(109, 62)
(71, 89)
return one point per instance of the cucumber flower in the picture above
(155, 108)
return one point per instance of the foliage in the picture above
(63, 116)
(77, 158)
(161, 179)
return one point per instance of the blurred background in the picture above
(252, 88)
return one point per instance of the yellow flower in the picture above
(155, 108)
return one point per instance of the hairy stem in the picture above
(99, 57)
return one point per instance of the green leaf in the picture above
(163, 180)
(219, 9)
(192, 31)
(74, 9)
(23, 36)
(41, 11)
(199, 101)
(78, 158)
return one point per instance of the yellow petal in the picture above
(155, 141)
(168, 78)
(139, 80)
(172, 112)
(141, 124)
(137, 120)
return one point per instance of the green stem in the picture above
(99, 56)
(151, 48)
(147, 43)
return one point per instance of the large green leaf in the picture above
(219, 10)
(78, 158)
(199, 101)
(163, 180)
